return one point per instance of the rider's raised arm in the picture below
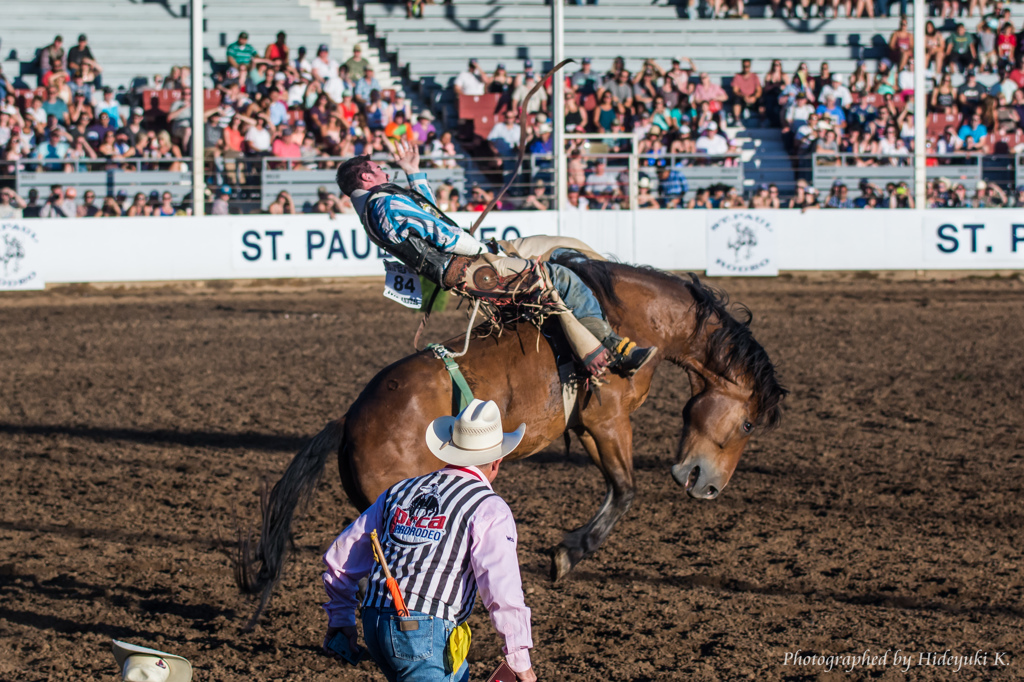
(418, 182)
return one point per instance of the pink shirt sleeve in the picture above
(349, 558)
(496, 567)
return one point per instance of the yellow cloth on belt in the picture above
(458, 646)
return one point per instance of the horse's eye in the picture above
(747, 427)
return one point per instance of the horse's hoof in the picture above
(561, 564)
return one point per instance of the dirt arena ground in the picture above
(885, 514)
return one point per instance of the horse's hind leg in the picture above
(612, 450)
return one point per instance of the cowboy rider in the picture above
(408, 225)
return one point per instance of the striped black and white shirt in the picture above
(446, 536)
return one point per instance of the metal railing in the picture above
(262, 178)
(107, 177)
(828, 168)
(305, 179)
(66, 165)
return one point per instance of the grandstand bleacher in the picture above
(133, 42)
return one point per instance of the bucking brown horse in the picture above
(380, 440)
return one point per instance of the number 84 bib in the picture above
(402, 284)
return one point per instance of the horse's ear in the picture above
(703, 377)
(699, 374)
(697, 381)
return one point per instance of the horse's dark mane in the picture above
(731, 347)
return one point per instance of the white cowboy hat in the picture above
(474, 437)
(141, 664)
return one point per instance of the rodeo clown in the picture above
(444, 536)
(408, 225)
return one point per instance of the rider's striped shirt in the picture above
(391, 218)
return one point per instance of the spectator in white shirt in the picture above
(259, 137)
(504, 136)
(1004, 89)
(36, 112)
(338, 84)
(576, 202)
(323, 66)
(711, 142)
(472, 81)
(58, 205)
(11, 205)
(538, 102)
(601, 180)
(950, 142)
(297, 93)
(799, 111)
(836, 89)
(303, 65)
(905, 79)
(110, 105)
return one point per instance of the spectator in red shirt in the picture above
(1017, 75)
(1006, 44)
(711, 92)
(348, 109)
(746, 92)
(277, 52)
(286, 145)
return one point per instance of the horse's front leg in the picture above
(612, 451)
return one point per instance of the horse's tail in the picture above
(260, 570)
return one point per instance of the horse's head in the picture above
(719, 419)
(717, 423)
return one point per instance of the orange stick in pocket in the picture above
(396, 592)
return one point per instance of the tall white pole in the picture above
(558, 111)
(920, 107)
(198, 122)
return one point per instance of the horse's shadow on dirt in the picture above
(813, 595)
(246, 440)
(150, 599)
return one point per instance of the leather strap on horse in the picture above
(462, 394)
(522, 143)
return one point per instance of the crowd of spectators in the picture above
(277, 102)
(311, 110)
(74, 122)
(678, 114)
(868, 115)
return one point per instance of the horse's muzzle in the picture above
(697, 483)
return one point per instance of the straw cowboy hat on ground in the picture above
(473, 438)
(140, 664)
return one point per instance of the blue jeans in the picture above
(574, 292)
(413, 655)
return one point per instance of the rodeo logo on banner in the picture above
(740, 243)
(19, 258)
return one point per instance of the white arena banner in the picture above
(265, 246)
(670, 239)
(992, 238)
(21, 255)
(741, 243)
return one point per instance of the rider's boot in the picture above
(620, 355)
(627, 357)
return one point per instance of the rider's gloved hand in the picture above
(597, 361)
(406, 156)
